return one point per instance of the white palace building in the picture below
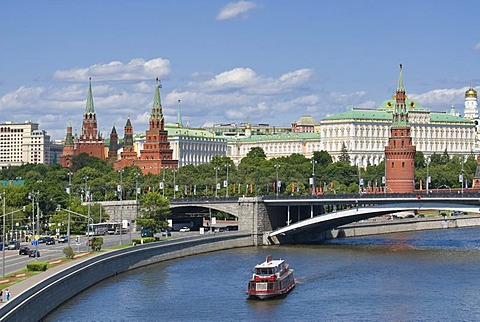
(365, 132)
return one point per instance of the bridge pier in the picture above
(253, 216)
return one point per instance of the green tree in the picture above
(154, 211)
(323, 158)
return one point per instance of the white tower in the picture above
(471, 104)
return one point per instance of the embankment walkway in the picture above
(32, 299)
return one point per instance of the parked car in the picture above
(184, 229)
(62, 239)
(13, 244)
(41, 240)
(33, 253)
(24, 250)
(146, 233)
(49, 241)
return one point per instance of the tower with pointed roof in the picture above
(68, 149)
(400, 152)
(113, 146)
(90, 141)
(128, 156)
(156, 153)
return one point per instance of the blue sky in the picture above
(230, 62)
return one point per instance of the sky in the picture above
(260, 61)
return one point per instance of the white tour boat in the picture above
(271, 278)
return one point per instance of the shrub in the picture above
(68, 252)
(37, 266)
(138, 241)
(96, 243)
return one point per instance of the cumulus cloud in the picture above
(235, 10)
(135, 70)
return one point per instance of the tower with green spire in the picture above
(90, 141)
(156, 153)
(400, 151)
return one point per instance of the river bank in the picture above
(377, 226)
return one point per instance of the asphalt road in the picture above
(14, 262)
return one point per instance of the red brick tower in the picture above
(68, 149)
(113, 146)
(400, 152)
(90, 141)
(156, 153)
(128, 157)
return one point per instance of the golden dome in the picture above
(248, 126)
(471, 92)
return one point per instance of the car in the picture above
(13, 244)
(146, 233)
(33, 253)
(49, 241)
(184, 229)
(41, 240)
(62, 239)
(24, 250)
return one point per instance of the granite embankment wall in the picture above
(46, 291)
(370, 227)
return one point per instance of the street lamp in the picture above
(428, 176)
(277, 166)
(75, 213)
(3, 234)
(121, 204)
(174, 184)
(313, 175)
(69, 201)
(37, 232)
(461, 176)
(216, 181)
(227, 166)
(87, 198)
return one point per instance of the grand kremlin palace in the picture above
(365, 132)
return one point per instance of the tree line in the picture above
(94, 179)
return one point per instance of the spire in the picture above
(69, 137)
(400, 113)
(114, 130)
(179, 116)
(157, 105)
(400, 86)
(89, 107)
(129, 124)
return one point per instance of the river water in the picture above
(415, 276)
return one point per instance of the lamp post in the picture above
(313, 175)
(87, 198)
(35, 231)
(121, 204)
(277, 166)
(216, 181)
(174, 184)
(461, 177)
(75, 213)
(428, 176)
(136, 204)
(227, 166)
(69, 201)
(3, 234)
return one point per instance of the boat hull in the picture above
(270, 295)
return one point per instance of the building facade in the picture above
(22, 143)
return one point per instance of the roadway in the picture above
(15, 262)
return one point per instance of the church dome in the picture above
(471, 92)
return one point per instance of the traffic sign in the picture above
(37, 237)
(34, 242)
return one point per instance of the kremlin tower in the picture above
(400, 152)
(471, 104)
(90, 141)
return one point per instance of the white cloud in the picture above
(134, 70)
(236, 9)
(477, 46)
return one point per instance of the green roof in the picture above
(412, 105)
(448, 118)
(174, 130)
(276, 137)
(361, 115)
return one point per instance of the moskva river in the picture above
(416, 276)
